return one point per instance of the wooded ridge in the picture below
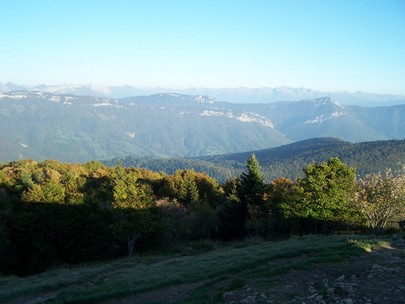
(287, 160)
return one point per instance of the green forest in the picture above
(287, 160)
(54, 213)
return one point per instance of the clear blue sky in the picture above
(329, 45)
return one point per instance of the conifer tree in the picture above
(189, 193)
(251, 183)
(247, 200)
(232, 214)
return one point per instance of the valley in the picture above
(72, 128)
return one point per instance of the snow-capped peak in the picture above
(76, 89)
(204, 99)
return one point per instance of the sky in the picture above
(327, 45)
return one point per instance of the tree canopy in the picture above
(381, 198)
(72, 213)
(324, 194)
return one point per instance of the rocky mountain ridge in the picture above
(44, 125)
(234, 95)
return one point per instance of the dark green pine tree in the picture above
(232, 213)
(189, 193)
(246, 195)
(251, 184)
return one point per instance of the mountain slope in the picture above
(325, 117)
(78, 128)
(74, 128)
(288, 160)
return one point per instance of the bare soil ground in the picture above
(374, 277)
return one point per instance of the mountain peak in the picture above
(204, 99)
(195, 98)
(233, 95)
(324, 101)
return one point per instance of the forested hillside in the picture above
(54, 213)
(288, 160)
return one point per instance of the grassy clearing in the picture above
(237, 263)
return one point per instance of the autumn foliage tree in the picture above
(132, 201)
(381, 199)
(200, 195)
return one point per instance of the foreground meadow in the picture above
(315, 268)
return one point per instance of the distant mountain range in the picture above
(233, 95)
(73, 128)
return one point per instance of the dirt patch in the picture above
(372, 278)
(376, 277)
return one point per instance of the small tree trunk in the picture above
(131, 238)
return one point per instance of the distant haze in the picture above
(234, 95)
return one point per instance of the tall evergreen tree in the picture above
(232, 214)
(189, 190)
(249, 203)
(251, 183)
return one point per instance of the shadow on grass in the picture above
(218, 271)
